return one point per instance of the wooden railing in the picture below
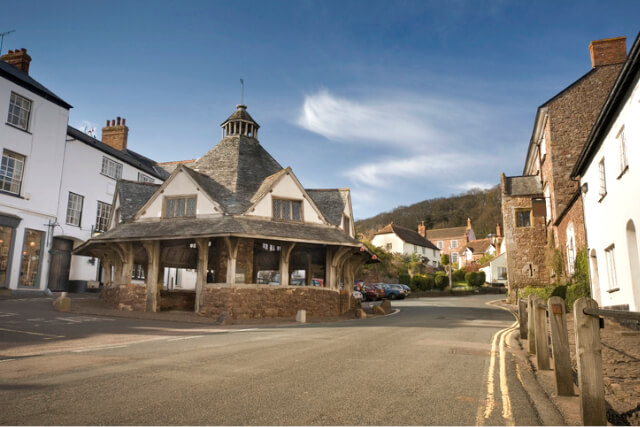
(535, 328)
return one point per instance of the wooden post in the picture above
(328, 270)
(201, 272)
(285, 253)
(309, 271)
(531, 333)
(542, 342)
(127, 264)
(589, 357)
(151, 280)
(560, 346)
(232, 250)
(524, 317)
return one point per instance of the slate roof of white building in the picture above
(407, 235)
(24, 80)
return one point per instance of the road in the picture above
(433, 362)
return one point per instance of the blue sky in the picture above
(400, 101)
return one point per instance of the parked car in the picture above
(357, 295)
(407, 290)
(372, 292)
(357, 285)
(303, 282)
(394, 291)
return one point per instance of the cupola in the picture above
(240, 123)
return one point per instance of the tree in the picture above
(444, 260)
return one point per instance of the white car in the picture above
(357, 295)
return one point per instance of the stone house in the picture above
(398, 239)
(542, 210)
(609, 174)
(450, 240)
(244, 223)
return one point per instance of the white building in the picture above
(56, 183)
(397, 239)
(495, 270)
(609, 172)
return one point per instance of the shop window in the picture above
(31, 255)
(6, 240)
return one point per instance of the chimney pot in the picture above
(116, 136)
(608, 51)
(18, 58)
(123, 121)
(118, 119)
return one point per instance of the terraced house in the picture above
(244, 223)
(542, 208)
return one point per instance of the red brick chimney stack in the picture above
(608, 51)
(115, 134)
(18, 58)
(422, 230)
(498, 230)
(468, 223)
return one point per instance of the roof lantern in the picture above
(240, 123)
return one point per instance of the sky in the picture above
(400, 101)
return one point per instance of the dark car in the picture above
(394, 291)
(372, 292)
(407, 290)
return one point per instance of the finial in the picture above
(242, 92)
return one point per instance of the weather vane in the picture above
(242, 93)
(2, 38)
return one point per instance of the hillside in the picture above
(482, 206)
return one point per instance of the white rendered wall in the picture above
(381, 240)
(606, 220)
(43, 146)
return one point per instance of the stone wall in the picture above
(268, 301)
(574, 215)
(125, 297)
(177, 300)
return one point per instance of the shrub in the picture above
(474, 278)
(441, 280)
(430, 282)
(541, 292)
(482, 277)
(404, 278)
(419, 281)
(458, 275)
(575, 292)
(444, 259)
(560, 291)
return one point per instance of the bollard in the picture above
(301, 316)
(589, 357)
(560, 346)
(542, 343)
(531, 333)
(524, 317)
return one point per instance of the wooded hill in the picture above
(482, 206)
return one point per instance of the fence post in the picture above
(589, 355)
(531, 333)
(560, 346)
(542, 342)
(524, 317)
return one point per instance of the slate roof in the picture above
(442, 233)
(479, 246)
(130, 157)
(407, 235)
(238, 164)
(133, 195)
(523, 185)
(267, 184)
(171, 166)
(23, 79)
(331, 202)
(223, 225)
(241, 114)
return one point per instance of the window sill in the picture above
(7, 193)
(626, 168)
(104, 174)
(73, 225)
(613, 290)
(602, 196)
(17, 128)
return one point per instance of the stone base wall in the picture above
(268, 301)
(177, 300)
(125, 297)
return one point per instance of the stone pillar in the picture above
(232, 255)
(153, 268)
(203, 266)
(285, 254)
(338, 258)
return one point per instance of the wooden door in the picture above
(60, 264)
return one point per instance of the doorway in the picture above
(60, 264)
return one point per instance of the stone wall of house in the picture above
(525, 246)
(574, 216)
(268, 301)
(125, 297)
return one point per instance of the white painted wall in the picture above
(606, 218)
(400, 246)
(43, 146)
(286, 188)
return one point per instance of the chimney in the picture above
(608, 51)
(115, 134)
(18, 58)
(468, 223)
(422, 230)
(498, 230)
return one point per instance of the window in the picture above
(138, 272)
(547, 202)
(389, 247)
(454, 256)
(19, 111)
(287, 209)
(111, 169)
(523, 219)
(31, 249)
(102, 217)
(180, 207)
(74, 209)
(11, 171)
(622, 142)
(611, 268)
(454, 244)
(6, 240)
(347, 224)
(603, 179)
(543, 147)
(144, 178)
(571, 249)
(440, 244)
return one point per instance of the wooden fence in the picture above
(542, 323)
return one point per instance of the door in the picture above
(60, 264)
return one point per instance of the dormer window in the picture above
(290, 210)
(180, 207)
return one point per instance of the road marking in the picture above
(5, 314)
(6, 360)
(489, 402)
(106, 347)
(32, 333)
(504, 388)
(245, 330)
(185, 338)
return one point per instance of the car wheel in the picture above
(393, 296)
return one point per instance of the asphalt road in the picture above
(431, 363)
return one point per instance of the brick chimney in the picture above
(608, 51)
(468, 223)
(422, 230)
(498, 230)
(115, 134)
(18, 58)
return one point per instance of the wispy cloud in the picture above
(468, 185)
